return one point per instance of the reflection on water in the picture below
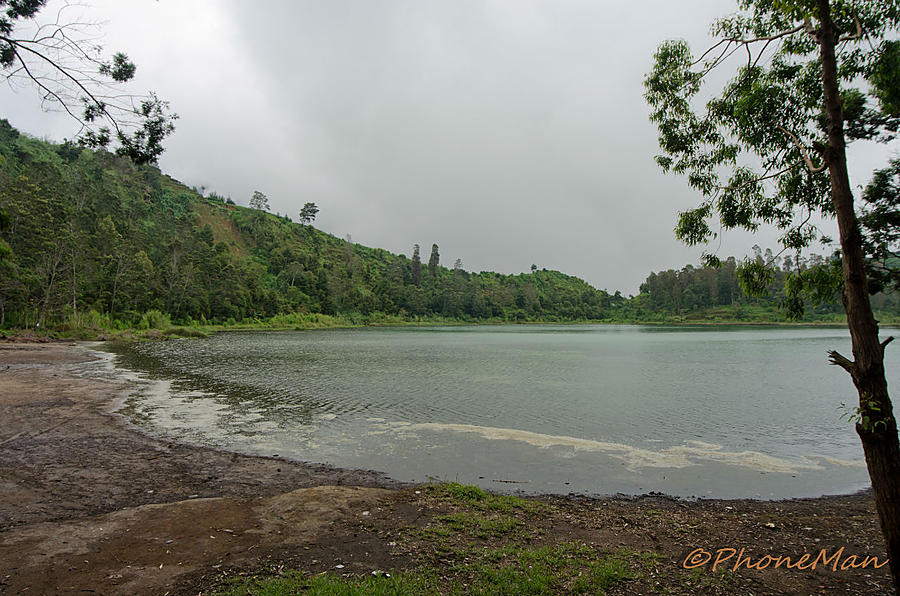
(594, 409)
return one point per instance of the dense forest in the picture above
(693, 290)
(90, 234)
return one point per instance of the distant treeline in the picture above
(89, 232)
(693, 289)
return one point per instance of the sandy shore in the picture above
(90, 504)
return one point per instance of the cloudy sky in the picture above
(509, 132)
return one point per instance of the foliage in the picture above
(756, 150)
(259, 201)
(308, 213)
(770, 148)
(880, 222)
(433, 261)
(61, 60)
(797, 288)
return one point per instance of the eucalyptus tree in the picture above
(59, 57)
(769, 147)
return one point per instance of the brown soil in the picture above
(90, 504)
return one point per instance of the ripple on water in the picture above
(603, 409)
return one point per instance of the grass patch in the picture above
(185, 332)
(418, 582)
(571, 568)
(477, 525)
(476, 498)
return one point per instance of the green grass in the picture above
(476, 498)
(477, 525)
(419, 582)
(571, 567)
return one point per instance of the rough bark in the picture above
(877, 427)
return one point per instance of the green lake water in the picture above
(693, 412)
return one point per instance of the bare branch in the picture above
(770, 37)
(889, 339)
(809, 164)
(49, 92)
(838, 360)
(65, 73)
(710, 50)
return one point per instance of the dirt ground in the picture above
(89, 504)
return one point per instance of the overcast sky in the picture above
(507, 132)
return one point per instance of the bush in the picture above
(154, 319)
(86, 320)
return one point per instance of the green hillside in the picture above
(90, 231)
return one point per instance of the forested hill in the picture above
(88, 231)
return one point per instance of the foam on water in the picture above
(680, 456)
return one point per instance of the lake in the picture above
(597, 409)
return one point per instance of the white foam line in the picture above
(682, 456)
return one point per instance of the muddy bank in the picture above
(63, 455)
(89, 504)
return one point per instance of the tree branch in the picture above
(858, 34)
(770, 37)
(838, 360)
(65, 73)
(47, 90)
(767, 175)
(807, 26)
(809, 164)
(889, 339)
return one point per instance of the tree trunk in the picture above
(877, 427)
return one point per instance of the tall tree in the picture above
(259, 201)
(416, 266)
(433, 261)
(61, 60)
(792, 107)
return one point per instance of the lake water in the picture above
(693, 412)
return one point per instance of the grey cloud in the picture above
(508, 132)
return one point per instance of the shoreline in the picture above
(71, 467)
(201, 331)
